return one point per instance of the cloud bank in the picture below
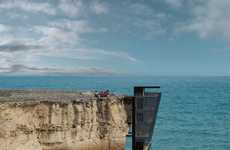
(54, 30)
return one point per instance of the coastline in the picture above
(60, 120)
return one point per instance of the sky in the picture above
(115, 37)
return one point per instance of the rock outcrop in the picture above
(56, 120)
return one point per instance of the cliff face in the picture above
(38, 120)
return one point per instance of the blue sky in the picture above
(96, 37)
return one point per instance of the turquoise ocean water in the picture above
(194, 112)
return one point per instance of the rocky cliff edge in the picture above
(57, 120)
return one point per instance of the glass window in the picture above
(140, 117)
(140, 104)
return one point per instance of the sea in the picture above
(194, 112)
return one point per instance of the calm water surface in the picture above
(194, 112)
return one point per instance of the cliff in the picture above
(56, 120)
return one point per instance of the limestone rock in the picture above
(55, 120)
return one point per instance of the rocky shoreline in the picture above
(61, 120)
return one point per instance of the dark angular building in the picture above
(145, 107)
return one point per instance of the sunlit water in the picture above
(194, 112)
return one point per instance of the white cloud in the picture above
(141, 19)
(63, 32)
(116, 54)
(16, 34)
(19, 57)
(211, 19)
(6, 38)
(99, 8)
(71, 7)
(55, 36)
(28, 6)
(4, 28)
(152, 27)
(89, 54)
(140, 9)
(37, 48)
(15, 47)
(19, 68)
(5, 59)
(174, 3)
(77, 26)
(29, 62)
(14, 57)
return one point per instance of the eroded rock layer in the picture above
(55, 120)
